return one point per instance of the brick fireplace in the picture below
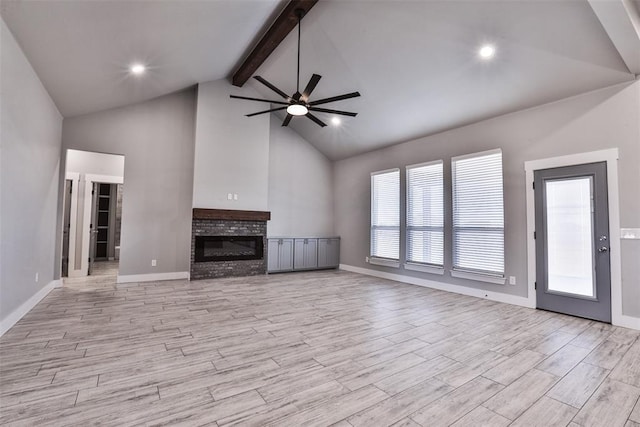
(228, 243)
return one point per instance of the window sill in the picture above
(479, 277)
(384, 262)
(424, 268)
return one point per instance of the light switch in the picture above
(229, 196)
(235, 197)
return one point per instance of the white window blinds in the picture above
(385, 214)
(478, 214)
(425, 214)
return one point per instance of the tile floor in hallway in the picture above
(309, 349)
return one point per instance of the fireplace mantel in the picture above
(231, 215)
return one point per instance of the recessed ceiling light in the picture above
(335, 121)
(137, 69)
(487, 51)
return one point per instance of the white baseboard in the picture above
(463, 290)
(17, 314)
(627, 322)
(153, 277)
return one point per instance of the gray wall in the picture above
(232, 151)
(157, 139)
(29, 169)
(300, 186)
(594, 121)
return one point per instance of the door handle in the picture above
(603, 249)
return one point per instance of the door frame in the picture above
(75, 188)
(610, 156)
(89, 179)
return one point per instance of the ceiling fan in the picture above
(299, 104)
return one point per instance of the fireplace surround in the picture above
(228, 243)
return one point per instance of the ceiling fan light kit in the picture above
(298, 104)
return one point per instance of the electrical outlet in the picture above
(512, 280)
(235, 197)
(154, 262)
(37, 277)
(229, 196)
(366, 259)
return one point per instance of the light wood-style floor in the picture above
(309, 349)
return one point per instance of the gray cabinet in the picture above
(305, 254)
(302, 253)
(329, 252)
(279, 255)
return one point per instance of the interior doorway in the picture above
(92, 220)
(105, 227)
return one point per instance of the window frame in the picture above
(467, 272)
(417, 265)
(374, 259)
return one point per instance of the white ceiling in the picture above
(414, 62)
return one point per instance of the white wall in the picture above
(86, 162)
(594, 121)
(231, 150)
(29, 169)
(300, 186)
(157, 139)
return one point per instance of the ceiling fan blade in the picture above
(266, 111)
(260, 100)
(310, 86)
(335, 98)
(325, 110)
(287, 120)
(315, 119)
(272, 87)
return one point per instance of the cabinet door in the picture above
(305, 254)
(286, 255)
(273, 255)
(298, 254)
(328, 253)
(311, 253)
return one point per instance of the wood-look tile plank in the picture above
(563, 360)
(514, 367)
(336, 409)
(401, 405)
(578, 385)
(407, 378)
(546, 412)
(628, 370)
(457, 404)
(635, 414)
(482, 416)
(608, 354)
(610, 405)
(521, 394)
(380, 371)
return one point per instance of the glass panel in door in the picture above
(570, 236)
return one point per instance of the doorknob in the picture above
(603, 249)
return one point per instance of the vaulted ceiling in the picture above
(414, 62)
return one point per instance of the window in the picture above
(385, 214)
(425, 214)
(478, 214)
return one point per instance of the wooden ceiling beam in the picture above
(282, 26)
